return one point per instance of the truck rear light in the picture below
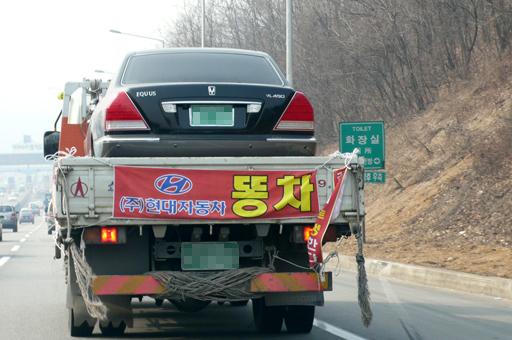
(298, 115)
(13, 215)
(123, 115)
(104, 235)
(307, 233)
(301, 234)
(109, 235)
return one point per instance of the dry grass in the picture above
(452, 207)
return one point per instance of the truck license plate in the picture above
(209, 255)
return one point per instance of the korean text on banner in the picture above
(166, 193)
(330, 211)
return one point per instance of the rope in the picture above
(346, 157)
(70, 152)
(84, 276)
(228, 285)
(350, 156)
(334, 254)
(363, 292)
(83, 271)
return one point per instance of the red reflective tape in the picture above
(149, 286)
(268, 282)
(126, 285)
(110, 285)
(290, 282)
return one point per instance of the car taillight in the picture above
(298, 115)
(108, 235)
(13, 215)
(122, 115)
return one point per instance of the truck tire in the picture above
(299, 319)
(190, 305)
(111, 330)
(82, 330)
(268, 319)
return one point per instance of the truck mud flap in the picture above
(289, 282)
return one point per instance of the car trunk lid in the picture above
(211, 108)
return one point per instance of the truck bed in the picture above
(97, 181)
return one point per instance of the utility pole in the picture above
(202, 22)
(289, 49)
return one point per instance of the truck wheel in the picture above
(82, 330)
(268, 319)
(239, 303)
(111, 330)
(299, 319)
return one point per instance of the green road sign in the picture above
(375, 177)
(369, 138)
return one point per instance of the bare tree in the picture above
(363, 59)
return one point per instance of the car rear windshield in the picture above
(194, 67)
(5, 208)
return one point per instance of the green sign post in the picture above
(369, 138)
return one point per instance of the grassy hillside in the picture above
(448, 199)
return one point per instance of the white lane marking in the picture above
(23, 240)
(15, 248)
(38, 226)
(336, 330)
(27, 235)
(397, 305)
(4, 260)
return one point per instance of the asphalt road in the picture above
(32, 306)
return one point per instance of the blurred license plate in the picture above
(209, 255)
(212, 115)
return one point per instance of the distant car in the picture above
(201, 102)
(26, 215)
(46, 201)
(50, 219)
(9, 218)
(35, 207)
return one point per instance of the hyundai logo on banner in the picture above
(172, 184)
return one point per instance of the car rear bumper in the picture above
(9, 224)
(123, 146)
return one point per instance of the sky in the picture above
(45, 44)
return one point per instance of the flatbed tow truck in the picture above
(123, 231)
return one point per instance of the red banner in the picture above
(330, 211)
(165, 193)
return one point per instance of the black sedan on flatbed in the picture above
(201, 102)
